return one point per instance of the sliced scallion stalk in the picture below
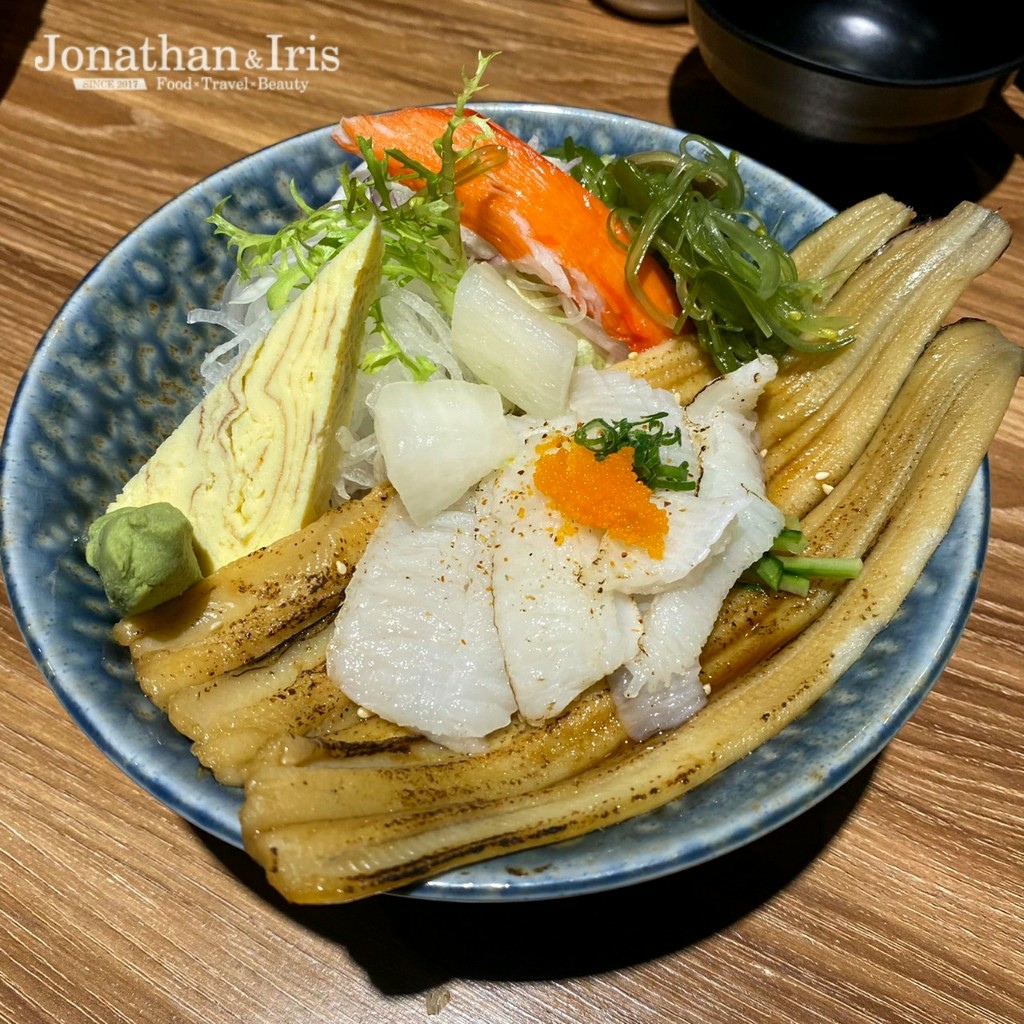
(821, 568)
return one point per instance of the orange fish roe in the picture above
(602, 493)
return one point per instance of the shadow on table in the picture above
(932, 175)
(22, 19)
(407, 946)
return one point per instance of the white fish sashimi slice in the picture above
(695, 532)
(560, 634)
(653, 711)
(696, 523)
(677, 621)
(723, 422)
(414, 641)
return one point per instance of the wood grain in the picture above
(896, 899)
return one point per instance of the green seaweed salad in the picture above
(736, 283)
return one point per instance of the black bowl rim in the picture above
(993, 72)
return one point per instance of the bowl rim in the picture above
(994, 73)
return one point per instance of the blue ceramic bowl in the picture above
(118, 369)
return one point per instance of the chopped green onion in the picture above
(821, 568)
(791, 539)
(785, 569)
(646, 437)
(768, 570)
(798, 585)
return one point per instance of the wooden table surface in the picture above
(897, 899)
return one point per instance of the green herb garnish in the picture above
(646, 436)
(785, 569)
(421, 232)
(420, 367)
(592, 171)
